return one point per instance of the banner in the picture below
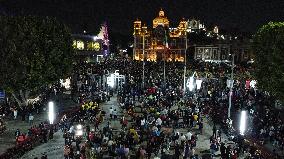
(2, 94)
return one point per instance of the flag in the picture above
(166, 40)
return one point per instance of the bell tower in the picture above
(137, 27)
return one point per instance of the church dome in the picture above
(161, 20)
(161, 13)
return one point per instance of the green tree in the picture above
(35, 52)
(268, 46)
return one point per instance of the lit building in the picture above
(216, 30)
(212, 53)
(160, 42)
(195, 26)
(220, 52)
(88, 47)
(94, 48)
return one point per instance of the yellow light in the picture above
(80, 45)
(97, 46)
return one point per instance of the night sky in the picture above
(244, 15)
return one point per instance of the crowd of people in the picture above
(170, 121)
(168, 124)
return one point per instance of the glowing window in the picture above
(80, 45)
(90, 46)
(74, 44)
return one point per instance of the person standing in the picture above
(213, 149)
(186, 153)
(31, 119)
(114, 113)
(15, 113)
(223, 150)
(200, 124)
(214, 130)
(66, 151)
(17, 134)
(177, 151)
(110, 112)
(219, 136)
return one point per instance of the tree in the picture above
(35, 52)
(268, 46)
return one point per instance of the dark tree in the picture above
(35, 52)
(268, 46)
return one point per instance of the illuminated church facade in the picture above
(160, 42)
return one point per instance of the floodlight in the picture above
(252, 83)
(66, 83)
(79, 127)
(110, 80)
(95, 38)
(198, 83)
(79, 132)
(191, 83)
(243, 122)
(51, 112)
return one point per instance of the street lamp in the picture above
(51, 112)
(198, 83)
(243, 122)
(231, 86)
(184, 72)
(79, 130)
(143, 78)
(191, 83)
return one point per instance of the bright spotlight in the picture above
(243, 122)
(95, 38)
(253, 83)
(79, 127)
(110, 80)
(198, 84)
(79, 132)
(66, 83)
(190, 84)
(51, 112)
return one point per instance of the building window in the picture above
(215, 54)
(74, 44)
(207, 54)
(80, 45)
(90, 46)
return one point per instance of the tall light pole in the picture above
(166, 43)
(231, 86)
(184, 72)
(51, 113)
(164, 68)
(134, 47)
(143, 47)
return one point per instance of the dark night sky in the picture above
(246, 15)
